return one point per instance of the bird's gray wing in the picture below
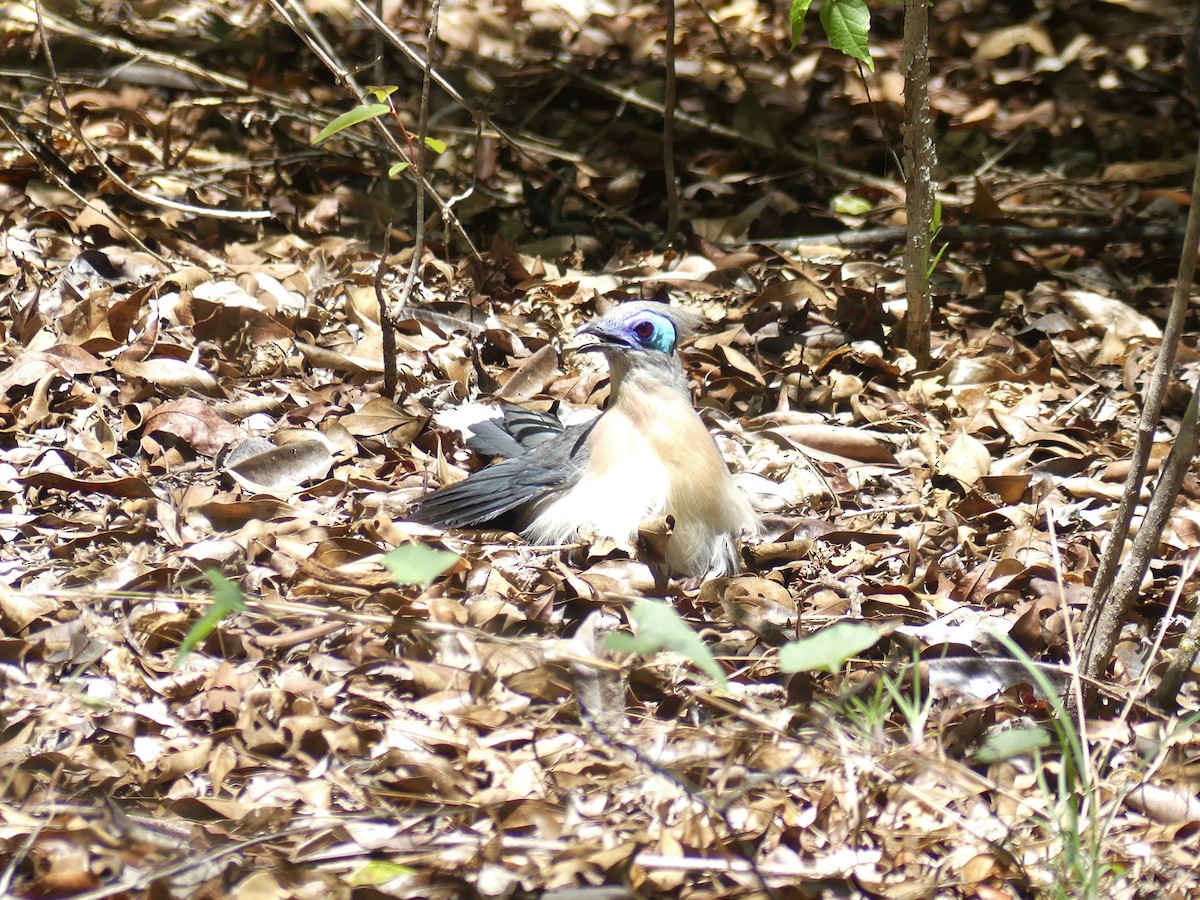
(500, 492)
(519, 431)
(530, 427)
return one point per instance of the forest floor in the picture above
(191, 383)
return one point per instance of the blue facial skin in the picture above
(653, 332)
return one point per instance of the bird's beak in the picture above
(590, 338)
(596, 338)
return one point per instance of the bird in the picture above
(648, 454)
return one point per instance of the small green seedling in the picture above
(1011, 744)
(829, 648)
(660, 627)
(364, 113)
(377, 872)
(227, 601)
(935, 228)
(847, 24)
(418, 564)
(847, 204)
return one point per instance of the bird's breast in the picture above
(651, 455)
(624, 483)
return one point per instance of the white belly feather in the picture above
(610, 503)
(651, 459)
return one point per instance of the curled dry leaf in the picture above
(1109, 315)
(272, 468)
(33, 366)
(381, 416)
(231, 515)
(832, 442)
(1164, 805)
(338, 362)
(194, 422)
(175, 374)
(532, 377)
(112, 487)
(967, 460)
(17, 611)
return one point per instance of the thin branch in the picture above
(919, 160)
(387, 326)
(295, 15)
(1077, 235)
(1107, 613)
(420, 156)
(101, 160)
(1109, 603)
(670, 92)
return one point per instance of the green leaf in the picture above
(851, 205)
(848, 26)
(933, 263)
(660, 627)
(799, 11)
(1012, 743)
(829, 648)
(378, 872)
(418, 564)
(353, 117)
(396, 169)
(435, 145)
(382, 91)
(227, 600)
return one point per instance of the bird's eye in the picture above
(644, 330)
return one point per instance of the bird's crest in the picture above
(642, 324)
(686, 322)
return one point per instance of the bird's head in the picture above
(642, 329)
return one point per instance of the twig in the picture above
(295, 15)
(1165, 696)
(387, 325)
(419, 157)
(102, 162)
(380, 73)
(670, 91)
(1113, 591)
(1079, 235)
(919, 160)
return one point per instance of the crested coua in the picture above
(648, 454)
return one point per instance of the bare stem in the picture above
(670, 90)
(919, 160)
